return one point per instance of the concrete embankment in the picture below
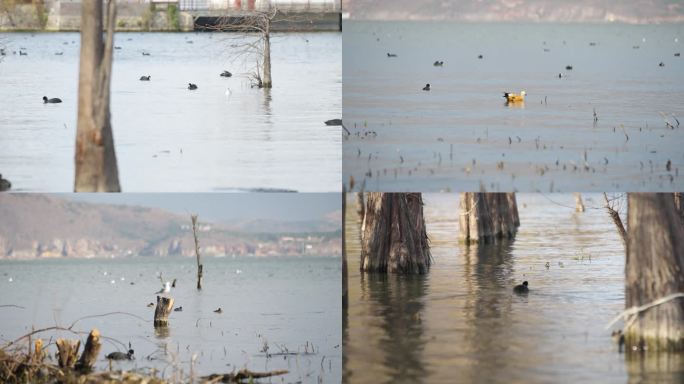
(56, 15)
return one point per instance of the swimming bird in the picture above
(514, 97)
(53, 100)
(226, 74)
(192, 86)
(179, 309)
(59, 53)
(568, 67)
(521, 288)
(426, 87)
(150, 305)
(661, 64)
(165, 289)
(145, 53)
(677, 54)
(22, 53)
(438, 63)
(391, 54)
(120, 355)
(480, 57)
(334, 122)
(5, 185)
(218, 310)
(145, 78)
(547, 265)
(117, 47)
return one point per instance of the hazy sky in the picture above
(223, 207)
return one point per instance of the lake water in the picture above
(169, 138)
(291, 303)
(456, 137)
(462, 323)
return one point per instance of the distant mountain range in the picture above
(36, 225)
(554, 11)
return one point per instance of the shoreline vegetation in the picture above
(31, 362)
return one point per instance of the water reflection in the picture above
(655, 367)
(487, 271)
(462, 322)
(399, 303)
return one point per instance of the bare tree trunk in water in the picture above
(96, 169)
(579, 204)
(393, 235)
(679, 205)
(267, 83)
(488, 217)
(200, 267)
(654, 269)
(615, 216)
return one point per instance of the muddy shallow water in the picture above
(462, 323)
(461, 135)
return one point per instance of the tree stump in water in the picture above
(393, 236)
(67, 352)
(654, 269)
(487, 218)
(163, 310)
(38, 353)
(579, 204)
(90, 352)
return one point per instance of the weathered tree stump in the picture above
(654, 269)
(90, 352)
(393, 235)
(487, 218)
(67, 352)
(38, 353)
(579, 204)
(360, 205)
(163, 310)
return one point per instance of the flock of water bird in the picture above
(515, 100)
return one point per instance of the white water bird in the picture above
(228, 92)
(166, 288)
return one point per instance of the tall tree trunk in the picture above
(488, 217)
(393, 235)
(96, 169)
(267, 83)
(200, 267)
(654, 269)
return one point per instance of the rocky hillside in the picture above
(35, 225)
(582, 11)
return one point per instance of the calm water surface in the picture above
(168, 138)
(287, 302)
(457, 135)
(462, 323)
